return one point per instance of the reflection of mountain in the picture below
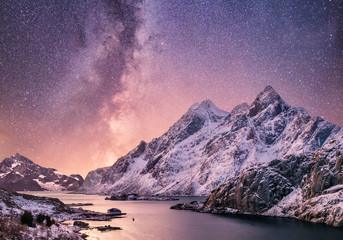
(18, 173)
(207, 146)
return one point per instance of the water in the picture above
(155, 221)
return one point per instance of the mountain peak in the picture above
(207, 106)
(266, 98)
(17, 155)
(268, 95)
(18, 173)
(268, 88)
(20, 158)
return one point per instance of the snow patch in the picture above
(51, 186)
(34, 206)
(335, 188)
(3, 174)
(287, 206)
(14, 164)
(58, 173)
(18, 173)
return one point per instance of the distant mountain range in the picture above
(18, 173)
(209, 146)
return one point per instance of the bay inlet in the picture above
(154, 220)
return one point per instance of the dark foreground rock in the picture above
(84, 225)
(107, 228)
(81, 214)
(81, 224)
(114, 211)
(306, 187)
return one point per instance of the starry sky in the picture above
(82, 82)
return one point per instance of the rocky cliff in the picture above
(307, 187)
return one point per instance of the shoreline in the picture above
(199, 207)
(23, 214)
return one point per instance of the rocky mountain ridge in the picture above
(208, 146)
(306, 187)
(18, 173)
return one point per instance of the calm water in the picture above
(155, 221)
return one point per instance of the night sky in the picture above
(82, 82)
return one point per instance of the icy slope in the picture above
(18, 173)
(207, 146)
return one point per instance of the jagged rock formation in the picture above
(18, 173)
(258, 188)
(207, 146)
(308, 188)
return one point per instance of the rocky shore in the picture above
(85, 226)
(306, 187)
(25, 216)
(134, 197)
(81, 214)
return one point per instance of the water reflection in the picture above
(155, 221)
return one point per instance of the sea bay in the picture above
(154, 220)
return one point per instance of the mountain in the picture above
(208, 146)
(306, 187)
(18, 173)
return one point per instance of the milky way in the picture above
(82, 82)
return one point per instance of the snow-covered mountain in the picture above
(306, 187)
(17, 173)
(207, 146)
